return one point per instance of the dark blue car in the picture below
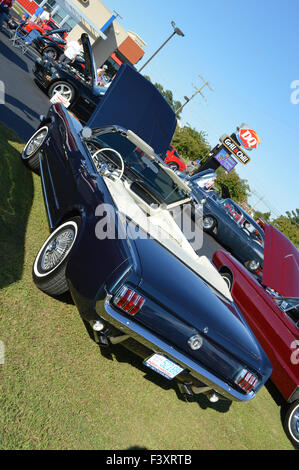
(228, 223)
(116, 246)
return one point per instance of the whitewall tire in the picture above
(50, 263)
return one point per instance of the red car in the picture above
(271, 307)
(173, 160)
(43, 27)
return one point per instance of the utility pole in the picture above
(198, 90)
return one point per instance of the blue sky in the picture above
(249, 52)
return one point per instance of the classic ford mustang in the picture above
(271, 308)
(116, 244)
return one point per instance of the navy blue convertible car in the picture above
(117, 247)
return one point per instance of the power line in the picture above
(198, 90)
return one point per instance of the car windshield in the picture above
(144, 168)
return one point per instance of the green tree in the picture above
(239, 188)
(266, 216)
(191, 144)
(289, 225)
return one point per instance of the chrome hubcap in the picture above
(36, 142)
(208, 222)
(57, 249)
(64, 90)
(294, 424)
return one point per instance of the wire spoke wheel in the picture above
(35, 142)
(50, 263)
(57, 249)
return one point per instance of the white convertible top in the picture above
(161, 226)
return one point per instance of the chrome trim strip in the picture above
(53, 187)
(44, 192)
(148, 339)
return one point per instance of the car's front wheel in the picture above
(50, 52)
(64, 88)
(208, 223)
(291, 423)
(51, 261)
(30, 153)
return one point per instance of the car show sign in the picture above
(235, 150)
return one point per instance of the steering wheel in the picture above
(121, 171)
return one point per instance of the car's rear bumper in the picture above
(158, 345)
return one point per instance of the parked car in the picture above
(115, 245)
(42, 27)
(228, 223)
(75, 82)
(51, 43)
(271, 308)
(173, 159)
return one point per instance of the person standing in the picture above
(101, 75)
(45, 15)
(72, 50)
(37, 14)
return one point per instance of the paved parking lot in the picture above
(24, 101)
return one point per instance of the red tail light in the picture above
(128, 300)
(246, 380)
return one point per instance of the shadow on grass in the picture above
(279, 400)
(16, 196)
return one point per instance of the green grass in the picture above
(58, 391)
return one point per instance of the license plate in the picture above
(163, 366)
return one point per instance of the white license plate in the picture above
(163, 366)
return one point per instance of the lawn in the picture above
(59, 391)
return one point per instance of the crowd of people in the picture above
(41, 16)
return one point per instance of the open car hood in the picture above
(133, 102)
(281, 263)
(90, 70)
(57, 31)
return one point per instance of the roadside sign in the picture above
(248, 138)
(225, 159)
(235, 150)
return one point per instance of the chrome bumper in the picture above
(156, 344)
